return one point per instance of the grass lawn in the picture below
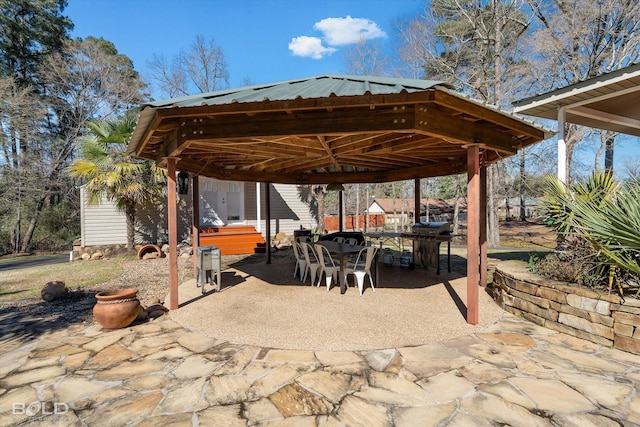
(27, 282)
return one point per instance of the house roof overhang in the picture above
(609, 102)
(328, 129)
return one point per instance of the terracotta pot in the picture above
(116, 308)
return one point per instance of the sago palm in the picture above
(109, 172)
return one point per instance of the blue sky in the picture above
(263, 40)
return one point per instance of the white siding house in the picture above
(101, 224)
(288, 211)
(221, 203)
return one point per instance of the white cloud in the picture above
(343, 31)
(309, 47)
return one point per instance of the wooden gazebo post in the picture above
(267, 223)
(483, 225)
(195, 222)
(340, 210)
(416, 201)
(473, 232)
(172, 219)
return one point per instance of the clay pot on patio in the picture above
(116, 308)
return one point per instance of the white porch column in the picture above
(562, 145)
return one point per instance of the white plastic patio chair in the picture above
(327, 266)
(301, 262)
(311, 261)
(362, 267)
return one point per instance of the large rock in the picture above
(53, 290)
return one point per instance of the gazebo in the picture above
(333, 129)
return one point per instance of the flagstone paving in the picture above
(159, 373)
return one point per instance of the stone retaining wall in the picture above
(602, 318)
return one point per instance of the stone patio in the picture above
(160, 373)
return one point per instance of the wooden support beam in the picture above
(267, 227)
(210, 170)
(416, 201)
(457, 102)
(195, 222)
(473, 232)
(172, 219)
(483, 226)
(329, 152)
(340, 210)
(431, 120)
(302, 124)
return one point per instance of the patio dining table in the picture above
(341, 250)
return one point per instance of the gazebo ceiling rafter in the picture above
(343, 129)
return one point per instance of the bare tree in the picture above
(366, 58)
(200, 69)
(580, 39)
(476, 46)
(86, 79)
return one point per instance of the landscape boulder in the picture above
(53, 290)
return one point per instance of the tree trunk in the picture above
(456, 207)
(130, 213)
(426, 205)
(395, 214)
(30, 230)
(320, 198)
(599, 153)
(366, 212)
(572, 138)
(607, 140)
(608, 155)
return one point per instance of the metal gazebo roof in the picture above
(327, 129)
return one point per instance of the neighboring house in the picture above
(401, 211)
(224, 205)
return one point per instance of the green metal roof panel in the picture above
(307, 88)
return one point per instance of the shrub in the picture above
(600, 221)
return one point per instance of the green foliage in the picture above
(29, 30)
(59, 226)
(50, 86)
(110, 172)
(603, 213)
(534, 260)
(445, 186)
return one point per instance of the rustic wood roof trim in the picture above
(351, 138)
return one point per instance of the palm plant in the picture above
(603, 213)
(110, 172)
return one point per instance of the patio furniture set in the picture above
(316, 260)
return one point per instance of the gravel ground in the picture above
(263, 305)
(407, 308)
